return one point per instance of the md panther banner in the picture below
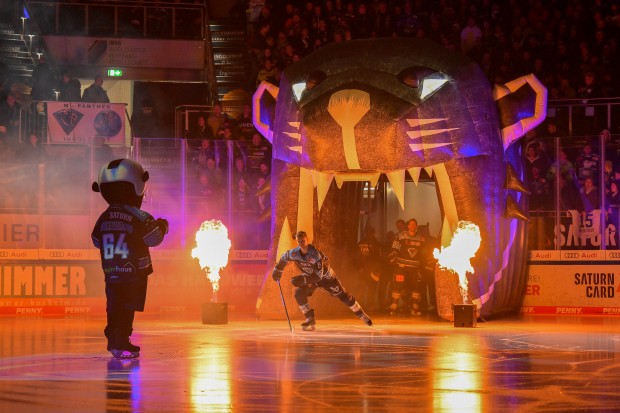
(81, 122)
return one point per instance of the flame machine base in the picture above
(465, 315)
(215, 313)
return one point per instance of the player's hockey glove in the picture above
(276, 275)
(163, 225)
(392, 256)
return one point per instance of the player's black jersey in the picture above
(369, 253)
(410, 249)
(123, 235)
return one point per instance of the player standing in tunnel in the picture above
(408, 254)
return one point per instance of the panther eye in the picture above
(298, 89)
(431, 84)
(426, 80)
(312, 80)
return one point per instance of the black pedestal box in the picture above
(215, 313)
(465, 315)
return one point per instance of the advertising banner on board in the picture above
(578, 288)
(65, 286)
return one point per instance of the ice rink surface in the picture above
(527, 364)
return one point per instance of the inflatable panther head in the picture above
(355, 110)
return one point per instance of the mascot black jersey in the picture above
(123, 235)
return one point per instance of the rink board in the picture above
(70, 282)
(573, 282)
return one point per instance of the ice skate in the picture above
(359, 311)
(309, 324)
(124, 354)
(415, 304)
(364, 317)
(393, 309)
(124, 351)
(415, 310)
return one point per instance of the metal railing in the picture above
(585, 117)
(33, 120)
(121, 18)
(186, 116)
(589, 226)
(184, 187)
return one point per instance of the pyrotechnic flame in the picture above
(455, 257)
(212, 246)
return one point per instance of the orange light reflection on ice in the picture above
(458, 379)
(210, 378)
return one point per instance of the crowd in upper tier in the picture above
(570, 45)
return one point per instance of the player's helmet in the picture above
(124, 170)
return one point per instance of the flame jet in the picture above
(212, 248)
(355, 110)
(456, 256)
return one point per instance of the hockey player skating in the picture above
(316, 274)
(123, 233)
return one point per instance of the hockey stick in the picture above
(284, 304)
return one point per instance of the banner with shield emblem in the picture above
(81, 122)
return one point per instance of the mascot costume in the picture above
(123, 234)
(375, 109)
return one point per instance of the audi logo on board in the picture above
(56, 254)
(243, 255)
(613, 254)
(571, 255)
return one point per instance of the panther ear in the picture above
(264, 111)
(522, 105)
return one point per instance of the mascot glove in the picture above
(276, 275)
(162, 224)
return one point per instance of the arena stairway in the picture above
(15, 53)
(231, 64)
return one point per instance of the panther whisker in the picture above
(417, 134)
(418, 122)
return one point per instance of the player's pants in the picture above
(407, 284)
(305, 286)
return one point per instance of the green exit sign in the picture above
(115, 72)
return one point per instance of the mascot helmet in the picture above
(122, 181)
(124, 170)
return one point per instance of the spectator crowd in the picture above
(241, 184)
(570, 45)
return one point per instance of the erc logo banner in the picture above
(80, 122)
